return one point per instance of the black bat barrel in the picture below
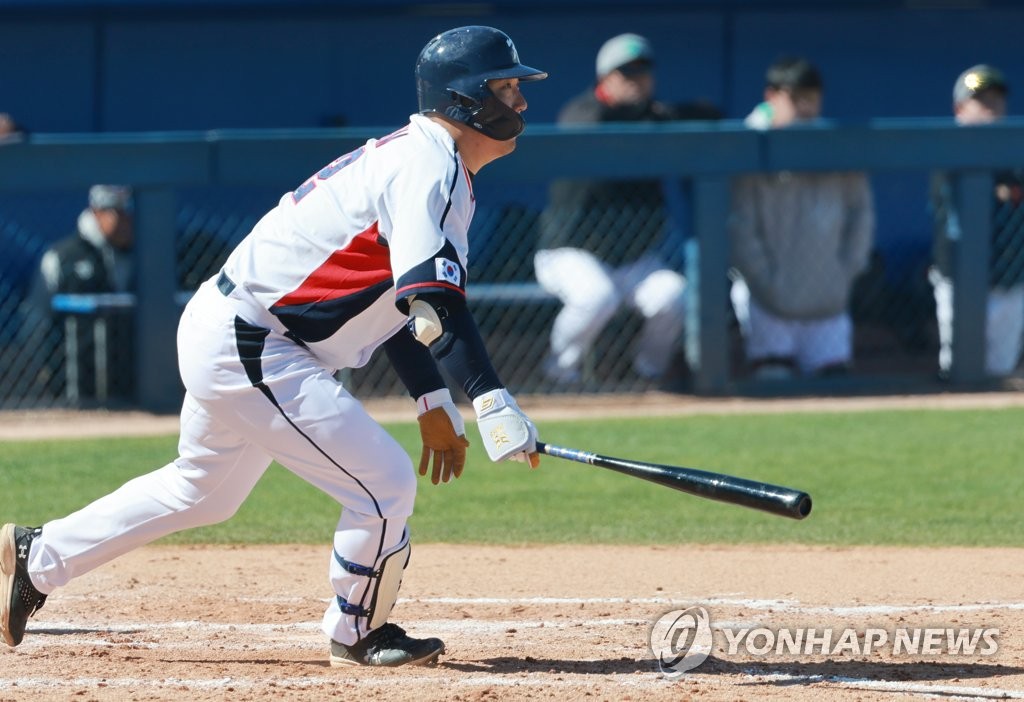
(766, 497)
(775, 499)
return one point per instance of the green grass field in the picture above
(921, 477)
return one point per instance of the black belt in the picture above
(225, 284)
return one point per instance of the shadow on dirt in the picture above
(796, 673)
(75, 631)
(775, 673)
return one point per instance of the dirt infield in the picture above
(215, 623)
(533, 623)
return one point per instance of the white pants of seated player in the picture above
(592, 291)
(230, 432)
(812, 344)
(1004, 325)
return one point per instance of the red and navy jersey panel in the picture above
(336, 261)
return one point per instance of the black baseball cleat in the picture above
(387, 646)
(19, 599)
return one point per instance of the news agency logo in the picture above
(682, 639)
(828, 641)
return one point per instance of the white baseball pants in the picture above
(1004, 325)
(813, 344)
(591, 292)
(230, 431)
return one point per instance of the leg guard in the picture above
(369, 558)
(382, 590)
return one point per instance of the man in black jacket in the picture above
(598, 238)
(95, 259)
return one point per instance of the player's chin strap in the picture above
(385, 580)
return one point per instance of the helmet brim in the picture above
(523, 73)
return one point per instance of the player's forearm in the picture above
(413, 363)
(458, 347)
(462, 353)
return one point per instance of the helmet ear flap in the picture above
(458, 98)
(462, 108)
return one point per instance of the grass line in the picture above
(913, 477)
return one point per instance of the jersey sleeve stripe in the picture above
(469, 180)
(451, 192)
(407, 290)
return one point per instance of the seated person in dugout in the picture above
(599, 240)
(979, 98)
(798, 241)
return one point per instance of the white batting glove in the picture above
(507, 432)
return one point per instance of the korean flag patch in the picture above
(448, 271)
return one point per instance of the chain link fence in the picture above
(69, 352)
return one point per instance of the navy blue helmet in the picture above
(452, 73)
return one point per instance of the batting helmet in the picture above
(452, 73)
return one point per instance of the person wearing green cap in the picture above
(598, 238)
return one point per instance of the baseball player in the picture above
(369, 252)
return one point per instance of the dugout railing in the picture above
(698, 157)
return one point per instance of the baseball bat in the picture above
(776, 499)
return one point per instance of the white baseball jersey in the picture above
(334, 261)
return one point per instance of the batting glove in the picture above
(444, 436)
(506, 431)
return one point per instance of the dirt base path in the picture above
(532, 623)
(49, 424)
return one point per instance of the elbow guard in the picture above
(424, 322)
(445, 325)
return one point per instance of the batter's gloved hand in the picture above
(506, 431)
(444, 436)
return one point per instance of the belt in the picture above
(225, 284)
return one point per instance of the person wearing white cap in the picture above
(980, 98)
(598, 239)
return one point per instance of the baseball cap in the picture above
(977, 79)
(621, 50)
(111, 197)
